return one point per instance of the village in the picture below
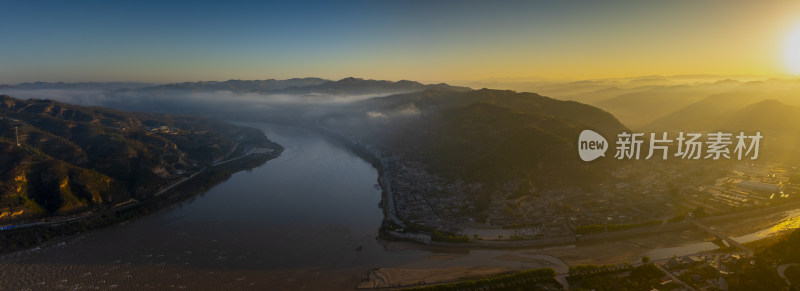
(635, 198)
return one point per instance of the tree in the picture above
(645, 259)
(700, 211)
(794, 178)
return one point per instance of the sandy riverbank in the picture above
(465, 264)
(451, 267)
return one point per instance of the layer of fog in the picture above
(407, 110)
(226, 105)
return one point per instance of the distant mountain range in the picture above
(79, 85)
(238, 85)
(778, 122)
(732, 111)
(641, 107)
(297, 86)
(661, 102)
(770, 116)
(352, 86)
(71, 157)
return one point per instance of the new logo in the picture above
(591, 145)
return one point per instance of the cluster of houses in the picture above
(749, 185)
(410, 187)
(163, 129)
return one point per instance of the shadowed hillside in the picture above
(71, 158)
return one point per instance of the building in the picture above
(761, 187)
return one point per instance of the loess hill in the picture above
(74, 158)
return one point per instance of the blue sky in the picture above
(197, 40)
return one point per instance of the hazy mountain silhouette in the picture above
(238, 85)
(704, 114)
(296, 86)
(76, 86)
(637, 109)
(767, 116)
(731, 111)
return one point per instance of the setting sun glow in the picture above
(793, 51)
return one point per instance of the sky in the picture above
(429, 41)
